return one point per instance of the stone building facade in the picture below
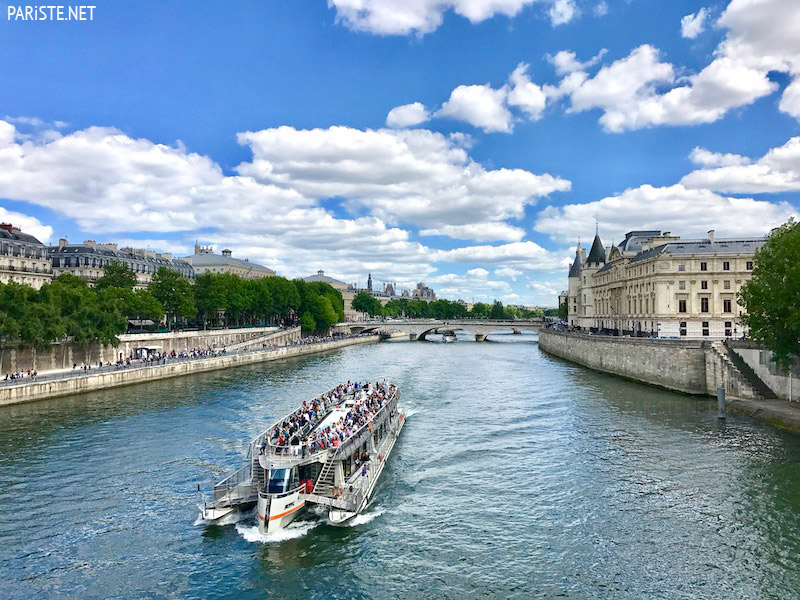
(655, 284)
(205, 261)
(23, 258)
(89, 259)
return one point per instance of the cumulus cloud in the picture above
(777, 171)
(694, 24)
(479, 232)
(509, 272)
(526, 95)
(407, 115)
(481, 106)
(28, 224)
(677, 208)
(527, 255)
(601, 9)
(562, 11)
(567, 61)
(412, 176)
(403, 17)
(706, 158)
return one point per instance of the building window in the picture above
(681, 306)
(705, 329)
(726, 284)
(728, 329)
(683, 328)
(726, 306)
(681, 266)
(704, 305)
(704, 266)
(681, 285)
(726, 266)
(749, 265)
(703, 285)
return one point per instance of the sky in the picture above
(469, 144)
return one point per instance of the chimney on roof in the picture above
(90, 243)
(7, 227)
(711, 235)
(62, 243)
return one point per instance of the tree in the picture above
(307, 323)
(117, 275)
(367, 303)
(562, 311)
(174, 293)
(772, 296)
(480, 310)
(285, 297)
(497, 311)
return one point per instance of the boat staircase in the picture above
(325, 481)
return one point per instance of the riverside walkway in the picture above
(69, 382)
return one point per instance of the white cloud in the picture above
(790, 100)
(479, 105)
(706, 158)
(479, 232)
(412, 175)
(686, 212)
(777, 171)
(403, 17)
(601, 9)
(407, 115)
(27, 224)
(473, 285)
(527, 255)
(562, 11)
(694, 24)
(525, 94)
(509, 272)
(566, 61)
(478, 273)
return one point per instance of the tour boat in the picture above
(330, 452)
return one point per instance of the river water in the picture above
(517, 475)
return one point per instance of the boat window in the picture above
(278, 481)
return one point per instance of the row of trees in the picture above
(69, 308)
(440, 309)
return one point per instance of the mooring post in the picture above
(720, 402)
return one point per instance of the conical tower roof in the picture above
(598, 253)
(575, 269)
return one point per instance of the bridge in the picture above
(419, 329)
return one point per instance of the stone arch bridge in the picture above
(419, 329)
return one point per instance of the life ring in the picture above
(380, 457)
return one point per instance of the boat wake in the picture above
(293, 531)
(363, 518)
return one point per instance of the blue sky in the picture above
(520, 123)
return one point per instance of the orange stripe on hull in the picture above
(283, 514)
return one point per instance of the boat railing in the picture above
(233, 486)
(355, 439)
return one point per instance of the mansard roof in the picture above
(598, 253)
(694, 247)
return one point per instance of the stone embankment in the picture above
(688, 366)
(110, 379)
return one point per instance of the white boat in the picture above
(330, 452)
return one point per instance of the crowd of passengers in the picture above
(292, 433)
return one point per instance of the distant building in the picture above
(23, 258)
(423, 292)
(89, 260)
(205, 261)
(348, 293)
(654, 283)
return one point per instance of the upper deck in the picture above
(336, 421)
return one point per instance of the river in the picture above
(516, 475)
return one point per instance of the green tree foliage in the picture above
(497, 311)
(480, 310)
(396, 307)
(772, 296)
(562, 311)
(307, 323)
(320, 301)
(174, 293)
(367, 303)
(117, 275)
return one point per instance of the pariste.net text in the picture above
(51, 13)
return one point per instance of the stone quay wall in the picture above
(90, 383)
(671, 364)
(63, 355)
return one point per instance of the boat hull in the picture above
(276, 511)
